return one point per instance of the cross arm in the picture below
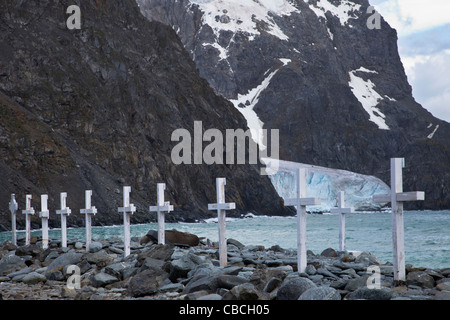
(400, 197)
(64, 211)
(222, 206)
(303, 202)
(342, 210)
(165, 208)
(92, 210)
(131, 209)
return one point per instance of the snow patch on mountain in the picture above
(365, 92)
(243, 15)
(246, 102)
(344, 11)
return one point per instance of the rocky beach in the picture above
(187, 268)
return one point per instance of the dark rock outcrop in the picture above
(95, 109)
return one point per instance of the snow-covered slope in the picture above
(326, 183)
(339, 97)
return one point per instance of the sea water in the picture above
(427, 233)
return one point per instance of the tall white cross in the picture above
(221, 206)
(64, 212)
(396, 198)
(342, 210)
(127, 210)
(28, 212)
(301, 202)
(160, 208)
(44, 214)
(88, 211)
(13, 207)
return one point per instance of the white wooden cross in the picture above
(13, 207)
(29, 210)
(342, 210)
(160, 208)
(88, 211)
(221, 206)
(127, 210)
(301, 202)
(64, 212)
(44, 215)
(397, 197)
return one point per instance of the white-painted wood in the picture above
(29, 210)
(342, 210)
(44, 214)
(64, 212)
(160, 209)
(221, 208)
(89, 211)
(300, 202)
(397, 197)
(127, 210)
(13, 207)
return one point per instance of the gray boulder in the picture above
(10, 263)
(102, 279)
(229, 281)
(320, 293)
(292, 289)
(208, 283)
(245, 291)
(364, 293)
(64, 260)
(146, 283)
(420, 278)
(354, 284)
(95, 246)
(33, 278)
(180, 268)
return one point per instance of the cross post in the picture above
(300, 202)
(64, 212)
(221, 208)
(161, 208)
(44, 214)
(13, 207)
(397, 197)
(342, 210)
(88, 211)
(127, 210)
(29, 210)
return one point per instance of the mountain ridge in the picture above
(342, 101)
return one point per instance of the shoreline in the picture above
(184, 272)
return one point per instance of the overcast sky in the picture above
(423, 28)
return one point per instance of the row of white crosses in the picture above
(44, 214)
(397, 197)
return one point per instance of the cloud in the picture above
(410, 16)
(429, 77)
(423, 29)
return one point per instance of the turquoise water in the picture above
(427, 234)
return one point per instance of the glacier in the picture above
(326, 183)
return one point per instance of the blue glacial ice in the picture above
(326, 183)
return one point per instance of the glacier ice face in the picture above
(326, 183)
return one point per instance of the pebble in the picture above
(253, 272)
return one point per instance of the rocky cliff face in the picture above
(95, 109)
(335, 88)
